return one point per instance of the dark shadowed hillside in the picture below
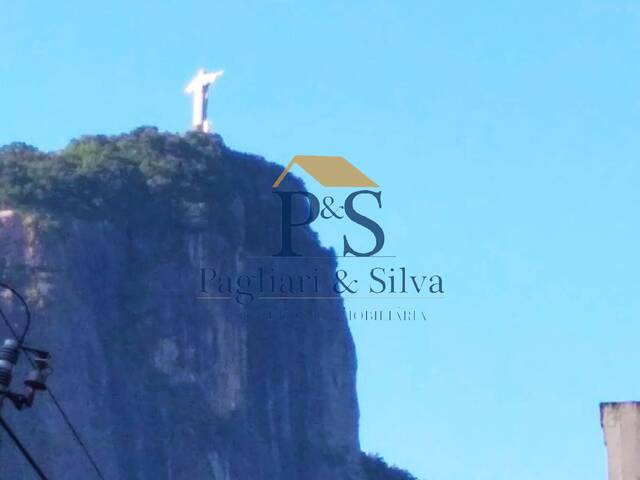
(107, 240)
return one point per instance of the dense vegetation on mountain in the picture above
(145, 178)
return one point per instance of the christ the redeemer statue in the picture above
(199, 88)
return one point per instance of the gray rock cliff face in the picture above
(164, 385)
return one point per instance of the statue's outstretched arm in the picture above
(212, 76)
(191, 87)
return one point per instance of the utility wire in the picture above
(55, 401)
(76, 435)
(6, 320)
(26, 310)
(23, 449)
(63, 414)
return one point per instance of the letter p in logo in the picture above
(287, 219)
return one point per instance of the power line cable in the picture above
(76, 435)
(8, 323)
(55, 401)
(26, 309)
(64, 416)
(23, 449)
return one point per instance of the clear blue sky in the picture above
(505, 138)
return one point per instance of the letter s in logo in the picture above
(366, 222)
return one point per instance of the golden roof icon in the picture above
(329, 171)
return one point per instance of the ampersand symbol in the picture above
(341, 276)
(328, 201)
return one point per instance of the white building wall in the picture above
(621, 426)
